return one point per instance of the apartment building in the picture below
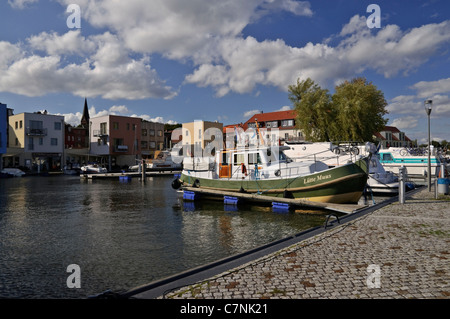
(152, 138)
(194, 138)
(284, 121)
(36, 141)
(115, 140)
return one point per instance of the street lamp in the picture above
(428, 106)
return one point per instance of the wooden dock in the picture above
(128, 174)
(291, 202)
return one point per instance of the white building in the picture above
(36, 141)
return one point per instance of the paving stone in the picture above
(409, 243)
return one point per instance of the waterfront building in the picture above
(391, 136)
(194, 139)
(36, 141)
(115, 140)
(152, 139)
(284, 121)
(3, 132)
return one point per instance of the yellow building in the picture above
(198, 135)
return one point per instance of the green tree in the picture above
(353, 113)
(314, 110)
(360, 109)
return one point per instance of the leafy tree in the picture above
(353, 113)
(360, 108)
(314, 110)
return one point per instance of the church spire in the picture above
(85, 117)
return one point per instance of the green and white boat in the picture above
(268, 171)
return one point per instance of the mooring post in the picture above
(401, 188)
(144, 166)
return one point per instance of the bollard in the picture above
(401, 187)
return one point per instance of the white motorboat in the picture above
(163, 161)
(15, 172)
(93, 169)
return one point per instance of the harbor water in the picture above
(119, 235)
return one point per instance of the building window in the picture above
(20, 124)
(152, 145)
(144, 145)
(115, 125)
(17, 125)
(128, 126)
(287, 123)
(17, 141)
(272, 124)
(57, 126)
(30, 144)
(152, 132)
(103, 128)
(144, 132)
(41, 141)
(54, 141)
(160, 133)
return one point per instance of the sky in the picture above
(176, 61)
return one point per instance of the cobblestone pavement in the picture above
(398, 251)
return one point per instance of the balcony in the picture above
(36, 131)
(121, 148)
(99, 133)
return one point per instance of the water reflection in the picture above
(120, 234)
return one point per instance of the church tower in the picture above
(85, 117)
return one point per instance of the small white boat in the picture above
(93, 169)
(15, 172)
(379, 181)
(163, 161)
(72, 169)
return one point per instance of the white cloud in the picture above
(20, 4)
(426, 89)
(245, 63)
(407, 122)
(108, 70)
(249, 114)
(69, 43)
(121, 109)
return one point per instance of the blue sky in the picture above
(182, 60)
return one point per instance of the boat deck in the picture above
(292, 202)
(148, 173)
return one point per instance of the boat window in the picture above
(238, 159)
(387, 157)
(254, 158)
(281, 157)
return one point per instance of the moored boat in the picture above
(416, 163)
(93, 169)
(268, 171)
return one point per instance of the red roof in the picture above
(271, 116)
(392, 129)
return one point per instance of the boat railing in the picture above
(325, 156)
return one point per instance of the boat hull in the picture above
(343, 184)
